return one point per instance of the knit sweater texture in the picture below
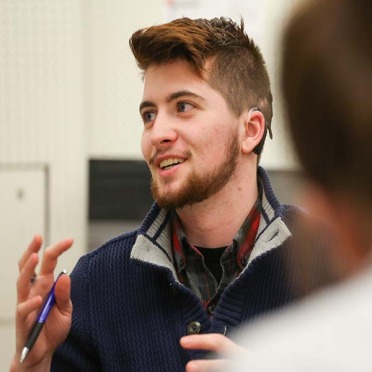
(130, 311)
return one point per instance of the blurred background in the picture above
(70, 160)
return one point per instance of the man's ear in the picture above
(254, 129)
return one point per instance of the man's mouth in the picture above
(168, 163)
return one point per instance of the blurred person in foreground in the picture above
(327, 85)
(212, 252)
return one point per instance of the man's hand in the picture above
(30, 297)
(215, 343)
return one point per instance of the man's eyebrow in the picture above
(183, 93)
(171, 97)
(146, 104)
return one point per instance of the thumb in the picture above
(62, 293)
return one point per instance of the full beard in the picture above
(199, 187)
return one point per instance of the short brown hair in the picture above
(238, 69)
(327, 84)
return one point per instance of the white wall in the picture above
(41, 104)
(278, 153)
(114, 87)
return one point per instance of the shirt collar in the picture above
(243, 240)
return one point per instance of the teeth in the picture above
(171, 161)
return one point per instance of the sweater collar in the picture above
(153, 244)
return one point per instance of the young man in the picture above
(211, 253)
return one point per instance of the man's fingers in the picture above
(26, 307)
(29, 261)
(62, 293)
(51, 255)
(213, 342)
(24, 279)
(208, 365)
(219, 345)
(33, 247)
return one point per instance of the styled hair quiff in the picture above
(237, 68)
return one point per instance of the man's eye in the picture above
(148, 116)
(184, 106)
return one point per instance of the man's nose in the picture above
(163, 131)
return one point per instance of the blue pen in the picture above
(41, 319)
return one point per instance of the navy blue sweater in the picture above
(130, 311)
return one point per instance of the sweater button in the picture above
(210, 309)
(193, 328)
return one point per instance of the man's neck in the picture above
(215, 221)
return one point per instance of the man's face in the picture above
(190, 139)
